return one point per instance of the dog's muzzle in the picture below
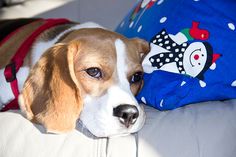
(127, 114)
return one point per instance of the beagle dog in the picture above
(78, 71)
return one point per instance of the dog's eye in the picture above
(94, 72)
(137, 77)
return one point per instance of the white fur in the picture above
(97, 114)
(6, 93)
(38, 49)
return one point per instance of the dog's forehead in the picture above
(102, 43)
(92, 34)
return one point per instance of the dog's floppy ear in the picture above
(143, 46)
(51, 94)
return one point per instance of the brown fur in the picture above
(9, 48)
(55, 88)
(50, 94)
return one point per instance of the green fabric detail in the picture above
(186, 33)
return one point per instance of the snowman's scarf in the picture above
(175, 52)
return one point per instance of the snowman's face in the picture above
(195, 58)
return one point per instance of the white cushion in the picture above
(199, 130)
(21, 138)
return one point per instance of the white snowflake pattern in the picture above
(143, 100)
(233, 84)
(139, 28)
(163, 19)
(202, 83)
(161, 103)
(183, 83)
(131, 24)
(160, 2)
(122, 24)
(231, 26)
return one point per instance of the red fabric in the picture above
(197, 33)
(18, 58)
(215, 57)
(13, 105)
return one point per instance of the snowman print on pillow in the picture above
(181, 54)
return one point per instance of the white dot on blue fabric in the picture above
(122, 24)
(233, 84)
(143, 100)
(163, 19)
(131, 24)
(202, 83)
(160, 2)
(161, 103)
(231, 26)
(139, 28)
(183, 83)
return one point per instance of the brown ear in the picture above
(143, 46)
(51, 95)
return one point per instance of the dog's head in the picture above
(93, 74)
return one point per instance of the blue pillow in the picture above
(193, 50)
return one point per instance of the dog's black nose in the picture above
(127, 114)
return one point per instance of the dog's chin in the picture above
(109, 126)
(109, 131)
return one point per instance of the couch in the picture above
(205, 129)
